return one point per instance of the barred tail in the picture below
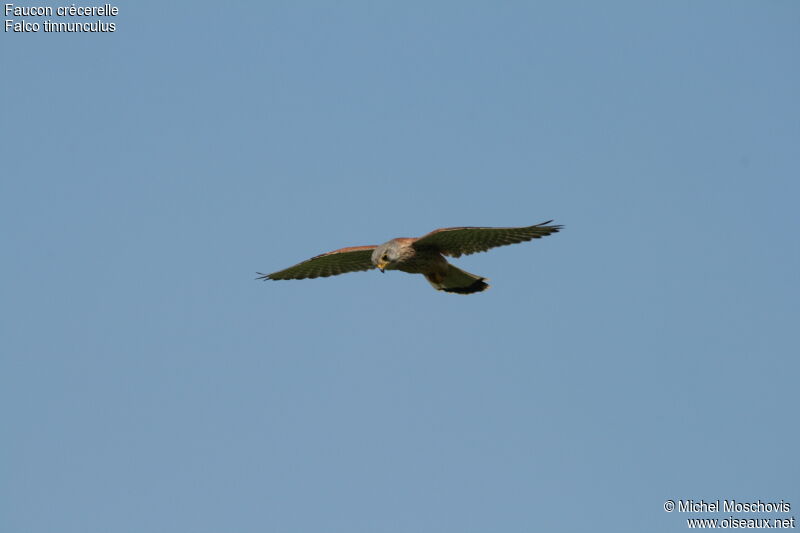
(457, 281)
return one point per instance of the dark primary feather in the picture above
(340, 261)
(456, 242)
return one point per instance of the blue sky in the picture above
(648, 352)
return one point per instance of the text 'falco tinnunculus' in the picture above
(424, 255)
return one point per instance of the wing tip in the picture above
(555, 228)
(546, 222)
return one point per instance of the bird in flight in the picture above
(423, 255)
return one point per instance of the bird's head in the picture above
(386, 255)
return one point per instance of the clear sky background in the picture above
(648, 352)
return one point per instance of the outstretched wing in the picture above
(332, 263)
(456, 242)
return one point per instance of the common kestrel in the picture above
(424, 255)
